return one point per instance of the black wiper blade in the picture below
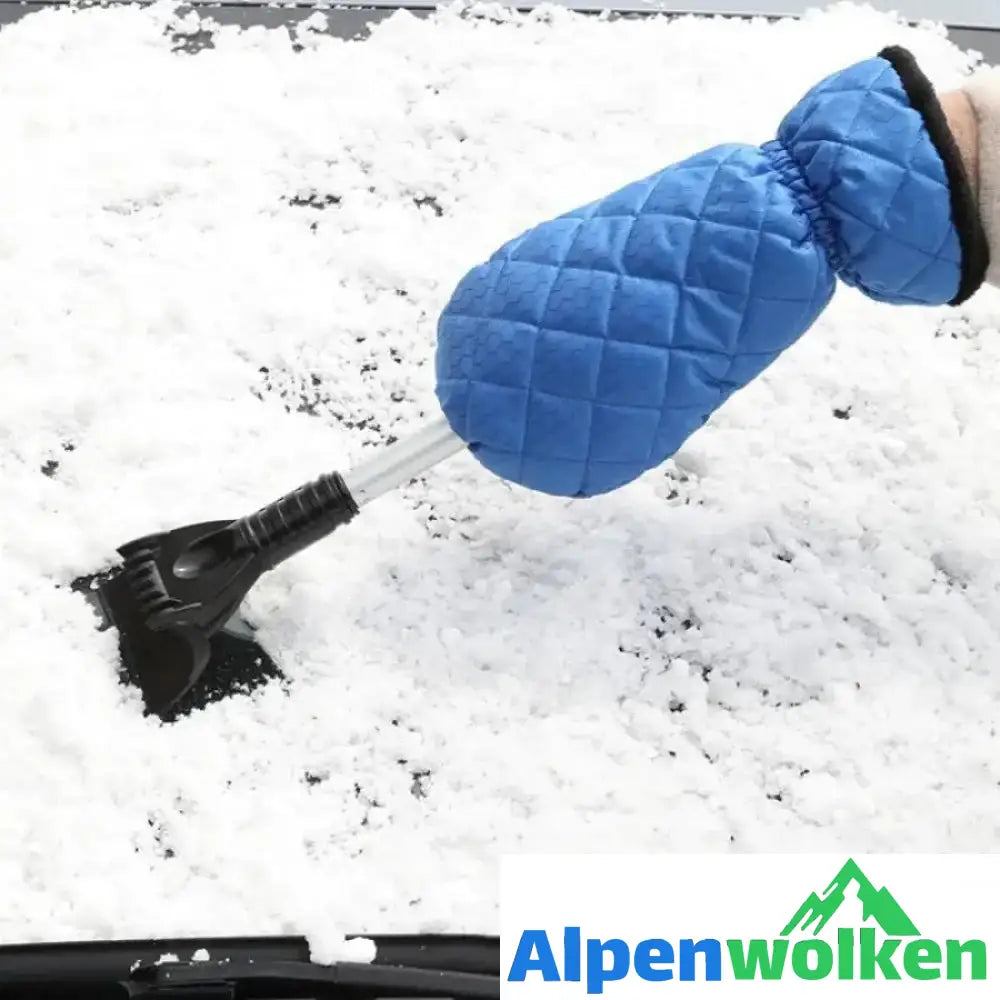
(246, 967)
(249, 979)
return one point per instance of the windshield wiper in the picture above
(233, 980)
(417, 966)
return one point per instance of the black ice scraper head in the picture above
(175, 597)
(162, 663)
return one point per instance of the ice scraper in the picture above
(174, 598)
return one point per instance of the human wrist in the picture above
(982, 92)
(961, 115)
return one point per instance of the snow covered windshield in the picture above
(219, 277)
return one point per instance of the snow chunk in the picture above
(324, 949)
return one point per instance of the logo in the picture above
(879, 905)
(854, 931)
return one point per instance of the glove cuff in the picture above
(983, 91)
(875, 150)
(967, 218)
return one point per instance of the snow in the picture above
(785, 639)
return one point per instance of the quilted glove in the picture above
(585, 351)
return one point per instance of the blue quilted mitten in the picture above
(585, 351)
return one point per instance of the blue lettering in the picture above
(711, 949)
(525, 960)
(571, 954)
(648, 952)
(597, 974)
(656, 960)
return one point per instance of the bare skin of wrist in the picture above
(965, 128)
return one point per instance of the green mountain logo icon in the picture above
(877, 904)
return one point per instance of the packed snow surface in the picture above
(220, 274)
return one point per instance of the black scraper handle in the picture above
(197, 575)
(297, 520)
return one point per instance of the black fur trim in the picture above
(964, 208)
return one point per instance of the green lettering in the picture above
(801, 954)
(975, 949)
(921, 959)
(845, 953)
(758, 956)
(870, 958)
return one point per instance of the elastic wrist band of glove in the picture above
(876, 151)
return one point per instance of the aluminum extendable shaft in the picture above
(402, 461)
